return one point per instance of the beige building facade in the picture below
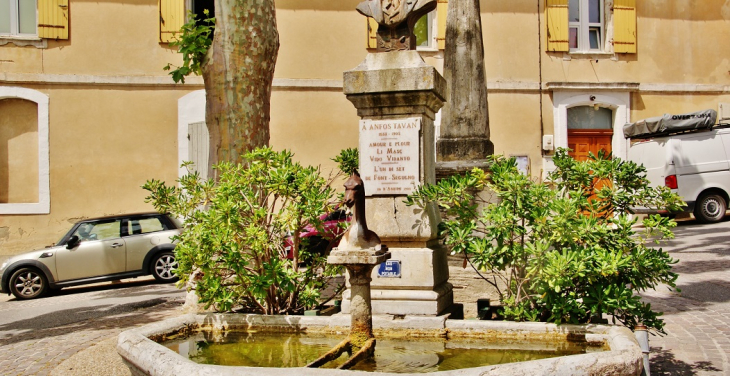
(87, 114)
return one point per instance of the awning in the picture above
(667, 124)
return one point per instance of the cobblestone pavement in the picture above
(31, 348)
(697, 319)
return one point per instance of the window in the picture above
(585, 20)
(590, 117)
(17, 17)
(198, 8)
(144, 226)
(584, 26)
(173, 14)
(424, 31)
(98, 230)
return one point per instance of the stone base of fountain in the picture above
(623, 356)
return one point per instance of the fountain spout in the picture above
(359, 251)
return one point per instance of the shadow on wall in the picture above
(18, 151)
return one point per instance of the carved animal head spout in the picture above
(354, 190)
(357, 236)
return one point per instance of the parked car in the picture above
(96, 250)
(694, 162)
(316, 241)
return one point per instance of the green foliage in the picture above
(235, 230)
(193, 43)
(348, 161)
(565, 251)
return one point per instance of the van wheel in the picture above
(710, 208)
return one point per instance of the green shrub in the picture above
(234, 231)
(564, 251)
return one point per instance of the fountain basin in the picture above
(144, 356)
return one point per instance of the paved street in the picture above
(37, 335)
(698, 318)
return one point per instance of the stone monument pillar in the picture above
(397, 95)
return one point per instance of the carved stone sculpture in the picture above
(357, 236)
(396, 19)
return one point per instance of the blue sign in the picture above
(389, 269)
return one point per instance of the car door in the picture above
(141, 235)
(100, 251)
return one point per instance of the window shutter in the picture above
(556, 13)
(441, 10)
(372, 33)
(172, 18)
(624, 26)
(198, 147)
(53, 19)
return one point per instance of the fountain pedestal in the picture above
(360, 264)
(397, 96)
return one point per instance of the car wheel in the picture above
(710, 208)
(164, 266)
(28, 283)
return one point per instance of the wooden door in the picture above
(583, 141)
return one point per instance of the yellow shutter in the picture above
(556, 12)
(372, 33)
(172, 18)
(441, 10)
(624, 26)
(53, 19)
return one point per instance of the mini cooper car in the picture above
(96, 250)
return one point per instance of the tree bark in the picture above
(465, 117)
(238, 74)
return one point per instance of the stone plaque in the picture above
(390, 156)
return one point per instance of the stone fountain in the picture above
(397, 96)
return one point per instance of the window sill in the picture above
(23, 41)
(589, 55)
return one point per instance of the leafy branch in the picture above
(193, 42)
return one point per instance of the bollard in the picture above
(642, 336)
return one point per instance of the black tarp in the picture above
(667, 124)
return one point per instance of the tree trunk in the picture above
(464, 118)
(238, 74)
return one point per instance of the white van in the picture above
(694, 165)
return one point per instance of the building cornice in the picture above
(293, 84)
(194, 82)
(588, 86)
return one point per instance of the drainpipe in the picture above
(642, 335)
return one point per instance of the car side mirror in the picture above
(72, 242)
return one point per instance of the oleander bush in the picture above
(566, 250)
(235, 228)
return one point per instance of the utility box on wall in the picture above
(723, 113)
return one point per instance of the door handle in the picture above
(117, 245)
